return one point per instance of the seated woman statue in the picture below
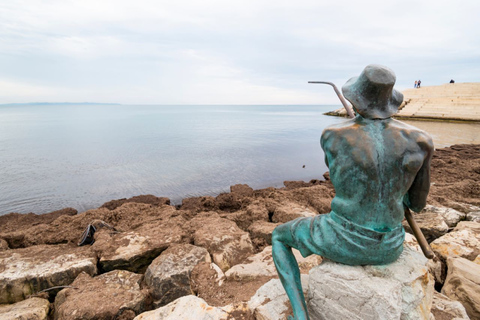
(377, 166)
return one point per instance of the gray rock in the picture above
(270, 302)
(24, 272)
(474, 216)
(451, 216)
(113, 295)
(188, 307)
(445, 308)
(400, 290)
(261, 265)
(463, 241)
(30, 309)
(463, 284)
(169, 275)
(225, 241)
(432, 224)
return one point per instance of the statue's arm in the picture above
(416, 197)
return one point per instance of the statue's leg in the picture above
(288, 271)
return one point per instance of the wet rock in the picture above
(135, 250)
(290, 211)
(225, 241)
(24, 272)
(445, 308)
(147, 199)
(400, 290)
(451, 216)
(30, 309)
(169, 275)
(270, 302)
(188, 307)
(463, 285)
(262, 230)
(463, 241)
(432, 224)
(3, 245)
(261, 265)
(113, 295)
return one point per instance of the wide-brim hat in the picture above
(372, 94)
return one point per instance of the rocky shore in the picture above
(210, 258)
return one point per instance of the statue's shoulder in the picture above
(415, 134)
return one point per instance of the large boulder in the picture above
(113, 295)
(24, 272)
(135, 250)
(169, 274)
(188, 307)
(271, 302)
(463, 241)
(262, 265)
(225, 241)
(400, 290)
(30, 309)
(463, 284)
(445, 308)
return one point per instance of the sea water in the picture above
(56, 156)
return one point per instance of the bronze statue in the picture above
(379, 168)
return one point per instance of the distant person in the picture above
(452, 81)
(415, 85)
(418, 83)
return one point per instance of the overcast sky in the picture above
(227, 52)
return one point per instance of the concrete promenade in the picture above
(451, 101)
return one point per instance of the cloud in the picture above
(183, 51)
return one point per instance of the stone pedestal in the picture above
(400, 290)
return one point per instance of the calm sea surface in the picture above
(56, 156)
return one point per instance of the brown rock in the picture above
(241, 190)
(290, 211)
(66, 228)
(24, 272)
(147, 199)
(463, 284)
(3, 245)
(225, 241)
(169, 274)
(30, 309)
(113, 295)
(199, 204)
(135, 250)
(262, 230)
